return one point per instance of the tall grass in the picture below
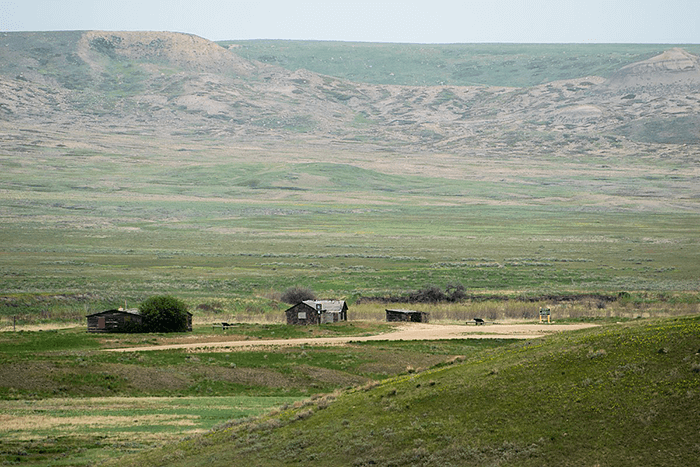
(526, 311)
(265, 311)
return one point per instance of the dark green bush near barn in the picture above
(164, 313)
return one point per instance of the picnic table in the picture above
(221, 325)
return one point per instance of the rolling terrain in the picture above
(621, 395)
(142, 162)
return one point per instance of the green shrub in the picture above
(164, 313)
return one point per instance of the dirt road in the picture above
(408, 332)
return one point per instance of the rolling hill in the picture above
(136, 163)
(622, 395)
(113, 141)
(170, 83)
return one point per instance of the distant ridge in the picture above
(674, 67)
(184, 50)
(174, 83)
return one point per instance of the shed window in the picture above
(301, 315)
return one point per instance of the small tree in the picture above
(163, 313)
(296, 294)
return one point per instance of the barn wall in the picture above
(413, 317)
(113, 321)
(394, 317)
(293, 315)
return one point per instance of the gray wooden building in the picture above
(408, 316)
(317, 312)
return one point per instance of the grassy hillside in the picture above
(64, 400)
(619, 395)
(519, 65)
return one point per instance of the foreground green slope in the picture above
(617, 395)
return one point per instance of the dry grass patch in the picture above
(23, 423)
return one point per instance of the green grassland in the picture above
(98, 229)
(112, 210)
(86, 431)
(620, 395)
(106, 205)
(517, 65)
(64, 401)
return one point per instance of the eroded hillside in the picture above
(140, 92)
(172, 82)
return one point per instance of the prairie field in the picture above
(511, 177)
(231, 236)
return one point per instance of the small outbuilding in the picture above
(410, 316)
(317, 312)
(113, 320)
(120, 320)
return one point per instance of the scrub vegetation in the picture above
(517, 65)
(485, 181)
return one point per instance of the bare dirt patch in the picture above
(410, 331)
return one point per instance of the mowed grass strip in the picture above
(83, 431)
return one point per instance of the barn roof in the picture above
(331, 306)
(130, 311)
(408, 312)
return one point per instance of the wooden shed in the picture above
(120, 320)
(407, 315)
(317, 312)
(113, 320)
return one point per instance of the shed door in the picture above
(101, 322)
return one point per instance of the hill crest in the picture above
(674, 67)
(177, 83)
(187, 51)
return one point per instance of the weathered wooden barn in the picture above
(317, 312)
(113, 320)
(408, 316)
(120, 320)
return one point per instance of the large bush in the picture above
(454, 292)
(163, 313)
(294, 295)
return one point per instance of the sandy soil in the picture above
(410, 331)
(4, 327)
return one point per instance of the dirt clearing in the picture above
(408, 332)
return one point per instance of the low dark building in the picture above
(317, 312)
(114, 320)
(120, 320)
(407, 316)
